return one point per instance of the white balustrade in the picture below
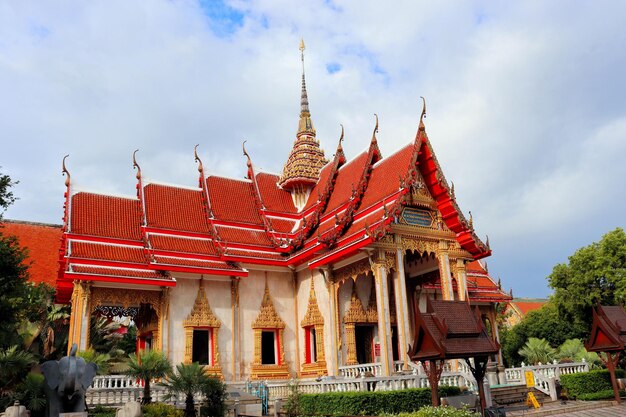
(355, 371)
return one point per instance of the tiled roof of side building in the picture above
(526, 306)
(274, 198)
(42, 242)
(105, 216)
(233, 200)
(175, 208)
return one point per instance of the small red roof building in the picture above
(42, 242)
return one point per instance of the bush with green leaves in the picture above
(215, 398)
(537, 351)
(581, 385)
(161, 410)
(429, 411)
(371, 403)
(148, 365)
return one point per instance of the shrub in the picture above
(429, 411)
(102, 411)
(161, 410)
(215, 397)
(586, 383)
(371, 403)
(600, 395)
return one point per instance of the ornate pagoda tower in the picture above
(302, 170)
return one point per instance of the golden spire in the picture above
(306, 159)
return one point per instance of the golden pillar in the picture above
(444, 271)
(461, 279)
(79, 317)
(381, 268)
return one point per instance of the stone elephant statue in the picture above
(66, 382)
(130, 409)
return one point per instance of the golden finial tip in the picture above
(302, 44)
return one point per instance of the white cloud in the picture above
(526, 107)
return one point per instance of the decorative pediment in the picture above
(356, 312)
(313, 315)
(201, 314)
(268, 317)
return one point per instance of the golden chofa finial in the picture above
(423, 115)
(136, 165)
(65, 172)
(301, 45)
(197, 158)
(471, 221)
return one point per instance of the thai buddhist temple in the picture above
(293, 274)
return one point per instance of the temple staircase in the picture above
(513, 395)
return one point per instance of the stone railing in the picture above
(555, 370)
(115, 381)
(356, 371)
(545, 384)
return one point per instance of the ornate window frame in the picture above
(268, 320)
(201, 317)
(313, 321)
(356, 314)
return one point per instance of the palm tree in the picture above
(100, 359)
(188, 380)
(537, 350)
(14, 365)
(148, 365)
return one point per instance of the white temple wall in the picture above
(251, 290)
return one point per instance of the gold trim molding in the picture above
(313, 318)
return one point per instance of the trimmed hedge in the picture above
(371, 403)
(586, 383)
(439, 412)
(102, 411)
(160, 410)
(600, 395)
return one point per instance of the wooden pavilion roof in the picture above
(608, 330)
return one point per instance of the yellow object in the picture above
(531, 400)
(530, 379)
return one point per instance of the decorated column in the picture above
(461, 279)
(381, 268)
(79, 318)
(444, 271)
(331, 287)
(402, 307)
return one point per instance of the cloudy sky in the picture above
(526, 102)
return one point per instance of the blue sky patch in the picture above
(223, 19)
(333, 67)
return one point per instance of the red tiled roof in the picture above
(107, 252)
(274, 198)
(182, 244)
(385, 177)
(43, 242)
(348, 175)
(243, 236)
(105, 216)
(169, 260)
(526, 307)
(233, 200)
(175, 208)
(320, 186)
(282, 226)
(254, 254)
(117, 272)
(475, 266)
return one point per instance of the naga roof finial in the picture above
(375, 129)
(65, 172)
(339, 147)
(471, 221)
(197, 159)
(423, 115)
(245, 153)
(136, 165)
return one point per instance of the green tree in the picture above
(214, 398)
(537, 351)
(187, 379)
(594, 274)
(574, 350)
(14, 365)
(148, 365)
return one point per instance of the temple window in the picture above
(202, 346)
(268, 348)
(269, 354)
(201, 335)
(313, 324)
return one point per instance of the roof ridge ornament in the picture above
(423, 115)
(375, 130)
(65, 172)
(136, 165)
(198, 160)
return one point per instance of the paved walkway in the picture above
(570, 410)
